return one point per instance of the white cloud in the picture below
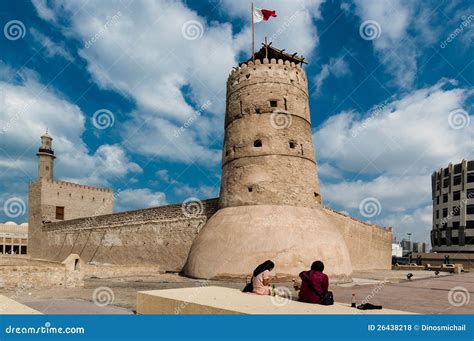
(28, 108)
(395, 194)
(338, 67)
(43, 10)
(411, 135)
(130, 199)
(52, 48)
(396, 19)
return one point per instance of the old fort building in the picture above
(270, 204)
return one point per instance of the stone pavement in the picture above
(429, 295)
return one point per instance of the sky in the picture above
(133, 93)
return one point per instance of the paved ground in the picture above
(429, 295)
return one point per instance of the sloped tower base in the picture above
(236, 239)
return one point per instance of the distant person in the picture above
(261, 278)
(314, 286)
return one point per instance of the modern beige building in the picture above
(453, 208)
(13, 238)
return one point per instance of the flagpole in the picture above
(253, 36)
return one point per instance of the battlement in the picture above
(74, 185)
(267, 70)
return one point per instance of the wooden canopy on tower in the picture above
(269, 52)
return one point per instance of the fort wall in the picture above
(368, 244)
(159, 237)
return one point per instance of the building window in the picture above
(470, 193)
(456, 210)
(457, 195)
(470, 209)
(470, 166)
(437, 200)
(446, 172)
(292, 144)
(257, 143)
(445, 212)
(273, 104)
(437, 214)
(457, 168)
(457, 180)
(470, 224)
(455, 225)
(445, 197)
(470, 177)
(286, 104)
(60, 212)
(446, 182)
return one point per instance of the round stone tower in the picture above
(270, 202)
(268, 156)
(45, 157)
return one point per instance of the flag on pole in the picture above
(262, 14)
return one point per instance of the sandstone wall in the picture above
(78, 201)
(370, 246)
(160, 236)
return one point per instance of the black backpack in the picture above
(248, 286)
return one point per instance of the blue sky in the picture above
(391, 85)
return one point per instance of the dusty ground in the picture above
(422, 295)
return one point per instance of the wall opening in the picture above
(60, 212)
(286, 105)
(273, 103)
(250, 189)
(257, 143)
(76, 264)
(292, 144)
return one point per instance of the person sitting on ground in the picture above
(261, 278)
(314, 285)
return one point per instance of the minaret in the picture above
(45, 157)
(270, 202)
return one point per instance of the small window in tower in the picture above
(93, 198)
(60, 212)
(257, 143)
(82, 197)
(292, 144)
(247, 76)
(69, 195)
(286, 105)
(47, 168)
(273, 104)
(250, 189)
